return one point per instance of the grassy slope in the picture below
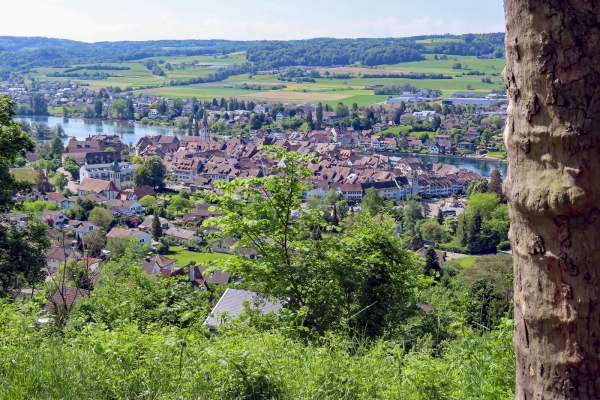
(123, 362)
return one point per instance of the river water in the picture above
(131, 133)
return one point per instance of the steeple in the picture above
(204, 129)
(115, 174)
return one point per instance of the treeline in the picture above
(408, 76)
(328, 52)
(98, 67)
(396, 89)
(465, 45)
(84, 75)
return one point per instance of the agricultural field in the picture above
(327, 91)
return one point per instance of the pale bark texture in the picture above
(553, 186)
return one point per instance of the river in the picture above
(131, 133)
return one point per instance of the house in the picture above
(56, 256)
(120, 233)
(233, 302)
(182, 236)
(435, 149)
(143, 191)
(158, 264)
(165, 224)
(223, 245)
(201, 212)
(281, 115)
(64, 299)
(193, 275)
(352, 192)
(465, 146)
(55, 219)
(98, 186)
(80, 228)
(131, 207)
(60, 200)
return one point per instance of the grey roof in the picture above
(232, 303)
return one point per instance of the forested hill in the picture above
(325, 52)
(463, 45)
(370, 52)
(19, 54)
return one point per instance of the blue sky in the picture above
(112, 20)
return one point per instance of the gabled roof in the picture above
(97, 185)
(232, 303)
(65, 297)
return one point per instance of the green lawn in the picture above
(24, 174)
(465, 262)
(183, 257)
(497, 154)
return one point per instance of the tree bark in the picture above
(553, 187)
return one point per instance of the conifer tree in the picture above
(495, 181)
(432, 264)
(440, 217)
(157, 231)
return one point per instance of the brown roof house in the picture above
(158, 265)
(120, 233)
(56, 256)
(98, 186)
(64, 300)
(182, 236)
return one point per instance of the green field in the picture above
(24, 174)
(328, 91)
(183, 257)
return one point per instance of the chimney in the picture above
(192, 271)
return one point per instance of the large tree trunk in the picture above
(553, 186)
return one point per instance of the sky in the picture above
(115, 20)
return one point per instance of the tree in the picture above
(431, 230)
(553, 194)
(141, 177)
(372, 202)
(71, 166)
(41, 182)
(157, 230)
(94, 241)
(412, 215)
(60, 181)
(21, 249)
(440, 216)
(137, 160)
(432, 264)
(98, 108)
(179, 204)
(341, 110)
(319, 116)
(56, 146)
(331, 281)
(101, 218)
(495, 181)
(156, 170)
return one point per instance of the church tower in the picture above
(204, 130)
(115, 174)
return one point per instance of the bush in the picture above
(504, 245)
(453, 248)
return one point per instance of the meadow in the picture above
(327, 91)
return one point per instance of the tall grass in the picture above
(95, 363)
